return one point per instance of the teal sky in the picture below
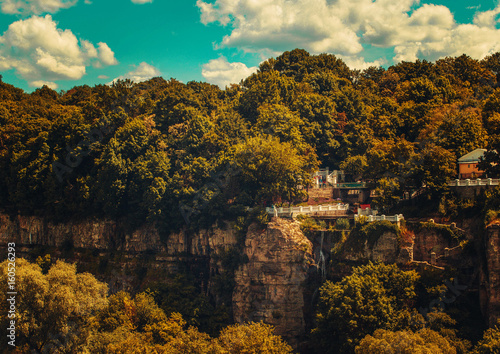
(65, 43)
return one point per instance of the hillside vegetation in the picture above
(170, 152)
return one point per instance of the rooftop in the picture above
(472, 156)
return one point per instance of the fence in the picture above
(330, 209)
(370, 218)
(353, 185)
(474, 182)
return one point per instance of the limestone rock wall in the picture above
(126, 260)
(109, 235)
(270, 287)
(386, 249)
(491, 273)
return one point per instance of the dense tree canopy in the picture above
(139, 149)
(374, 296)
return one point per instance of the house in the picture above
(467, 164)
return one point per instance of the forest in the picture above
(190, 155)
(144, 150)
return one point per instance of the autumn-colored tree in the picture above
(490, 343)
(250, 338)
(53, 310)
(422, 341)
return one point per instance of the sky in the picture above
(65, 43)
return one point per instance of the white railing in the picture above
(370, 218)
(322, 209)
(474, 182)
(351, 185)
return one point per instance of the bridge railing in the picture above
(370, 218)
(474, 182)
(352, 185)
(324, 209)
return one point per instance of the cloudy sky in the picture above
(63, 43)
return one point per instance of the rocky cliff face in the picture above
(270, 286)
(125, 259)
(385, 249)
(109, 235)
(490, 278)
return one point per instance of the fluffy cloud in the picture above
(487, 18)
(142, 1)
(278, 25)
(142, 72)
(343, 26)
(40, 52)
(356, 62)
(221, 72)
(29, 7)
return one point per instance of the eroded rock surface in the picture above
(491, 273)
(270, 286)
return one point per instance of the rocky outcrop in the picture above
(429, 241)
(387, 249)
(125, 259)
(109, 235)
(270, 286)
(491, 273)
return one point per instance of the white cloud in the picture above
(103, 77)
(40, 83)
(343, 26)
(29, 7)
(221, 72)
(487, 18)
(106, 55)
(40, 52)
(142, 1)
(142, 72)
(278, 25)
(355, 62)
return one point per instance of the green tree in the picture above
(273, 170)
(388, 191)
(461, 131)
(374, 296)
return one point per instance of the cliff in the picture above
(490, 275)
(270, 286)
(125, 259)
